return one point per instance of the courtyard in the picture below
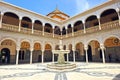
(39, 71)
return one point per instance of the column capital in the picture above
(85, 47)
(102, 46)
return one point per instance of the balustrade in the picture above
(105, 26)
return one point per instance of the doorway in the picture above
(5, 56)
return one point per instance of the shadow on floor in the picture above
(117, 77)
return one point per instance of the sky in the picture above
(70, 7)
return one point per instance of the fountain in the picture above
(61, 63)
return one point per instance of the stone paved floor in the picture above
(90, 71)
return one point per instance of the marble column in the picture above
(31, 56)
(19, 25)
(53, 32)
(72, 30)
(42, 56)
(66, 33)
(32, 27)
(73, 54)
(103, 54)
(84, 27)
(1, 20)
(17, 56)
(86, 49)
(43, 30)
(99, 23)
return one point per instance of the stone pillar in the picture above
(53, 57)
(86, 48)
(17, 56)
(53, 32)
(84, 27)
(32, 27)
(43, 29)
(66, 33)
(72, 30)
(99, 23)
(31, 52)
(103, 54)
(73, 54)
(1, 20)
(19, 25)
(42, 56)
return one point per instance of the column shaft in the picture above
(84, 28)
(53, 32)
(42, 56)
(67, 58)
(32, 28)
(86, 55)
(43, 31)
(103, 55)
(31, 56)
(1, 21)
(99, 24)
(19, 25)
(74, 56)
(17, 56)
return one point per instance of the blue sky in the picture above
(70, 7)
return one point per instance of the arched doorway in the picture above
(94, 51)
(37, 53)
(5, 56)
(24, 53)
(89, 51)
(48, 53)
(79, 53)
(8, 48)
(112, 49)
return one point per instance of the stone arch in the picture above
(78, 25)
(95, 54)
(37, 53)
(108, 36)
(108, 16)
(26, 22)
(48, 28)
(79, 52)
(112, 49)
(91, 21)
(38, 25)
(10, 18)
(48, 53)
(24, 53)
(8, 49)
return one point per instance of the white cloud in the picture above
(81, 5)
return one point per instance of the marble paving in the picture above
(90, 71)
